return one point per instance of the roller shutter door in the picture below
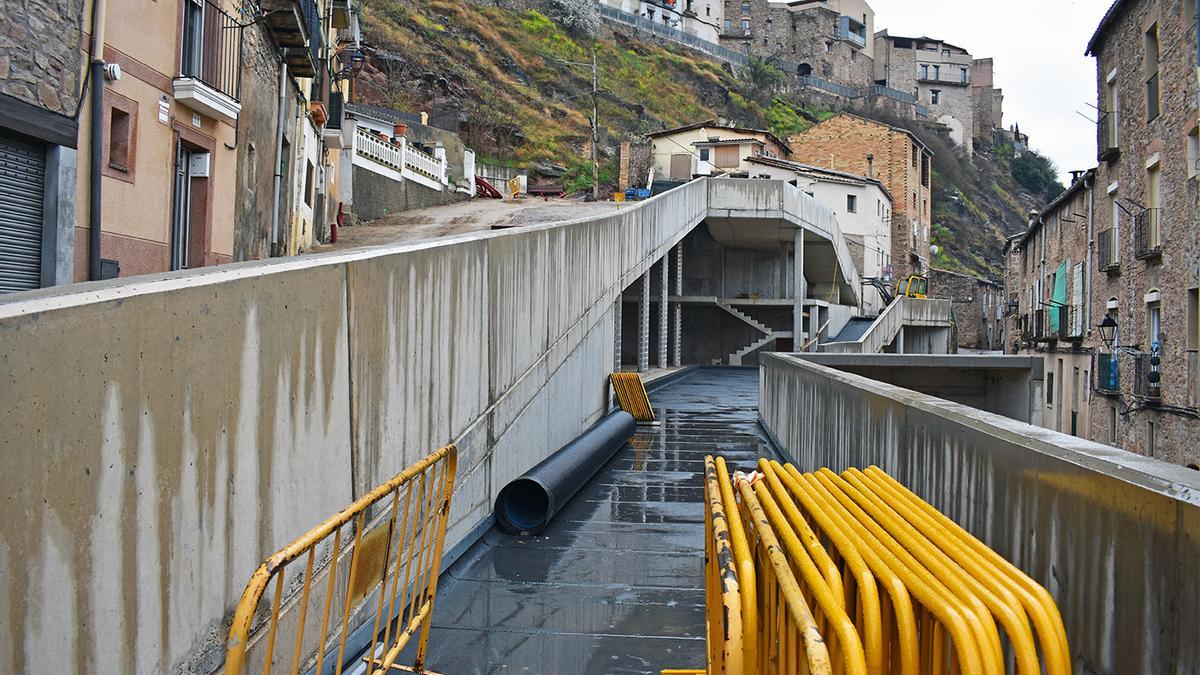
(22, 186)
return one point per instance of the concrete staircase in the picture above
(769, 335)
(888, 328)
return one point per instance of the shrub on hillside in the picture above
(580, 19)
(1038, 175)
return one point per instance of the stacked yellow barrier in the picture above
(894, 586)
(632, 396)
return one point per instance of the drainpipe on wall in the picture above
(278, 157)
(1091, 243)
(97, 133)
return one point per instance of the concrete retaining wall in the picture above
(1114, 536)
(164, 435)
(376, 195)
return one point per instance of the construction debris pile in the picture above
(853, 573)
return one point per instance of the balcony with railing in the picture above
(1146, 235)
(1106, 136)
(210, 71)
(851, 31)
(1106, 252)
(1108, 374)
(1146, 377)
(1070, 322)
(296, 25)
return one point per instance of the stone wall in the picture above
(376, 196)
(974, 301)
(802, 37)
(40, 57)
(1145, 143)
(258, 129)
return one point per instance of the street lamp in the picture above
(1108, 331)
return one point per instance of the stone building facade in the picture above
(987, 99)
(40, 87)
(977, 305)
(829, 39)
(943, 77)
(1147, 258)
(895, 157)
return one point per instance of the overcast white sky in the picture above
(1038, 49)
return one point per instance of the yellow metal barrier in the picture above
(631, 396)
(398, 532)
(896, 587)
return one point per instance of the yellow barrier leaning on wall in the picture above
(393, 572)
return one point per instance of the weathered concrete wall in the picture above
(1114, 537)
(162, 437)
(1006, 385)
(376, 196)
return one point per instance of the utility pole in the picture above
(595, 66)
(595, 127)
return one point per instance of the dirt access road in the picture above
(475, 215)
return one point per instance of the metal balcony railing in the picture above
(1143, 371)
(1106, 251)
(1146, 235)
(212, 48)
(1108, 373)
(1070, 322)
(296, 25)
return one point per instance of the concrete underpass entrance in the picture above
(615, 584)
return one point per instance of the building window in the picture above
(309, 180)
(745, 9)
(1112, 102)
(1112, 424)
(935, 96)
(1152, 93)
(828, 46)
(704, 154)
(853, 55)
(914, 155)
(962, 74)
(937, 72)
(120, 142)
(925, 170)
(1193, 320)
(728, 26)
(852, 203)
(1153, 324)
(120, 126)
(1193, 153)
(924, 72)
(746, 26)
(1050, 389)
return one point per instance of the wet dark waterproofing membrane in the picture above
(526, 505)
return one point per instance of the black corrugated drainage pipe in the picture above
(526, 505)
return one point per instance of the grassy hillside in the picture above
(500, 67)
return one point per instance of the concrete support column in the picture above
(677, 344)
(617, 333)
(644, 325)
(814, 327)
(800, 292)
(663, 313)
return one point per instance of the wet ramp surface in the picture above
(615, 584)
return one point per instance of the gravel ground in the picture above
(471, 216)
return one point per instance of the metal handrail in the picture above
(425, 488)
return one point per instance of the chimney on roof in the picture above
(1075, 175)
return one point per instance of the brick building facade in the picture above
(829, 39)
(977, 303)
(896, 158)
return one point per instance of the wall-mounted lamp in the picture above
(1108, 331)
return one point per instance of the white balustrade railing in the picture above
(400, 156)
(423, 163)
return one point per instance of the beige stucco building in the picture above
(710, 149)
